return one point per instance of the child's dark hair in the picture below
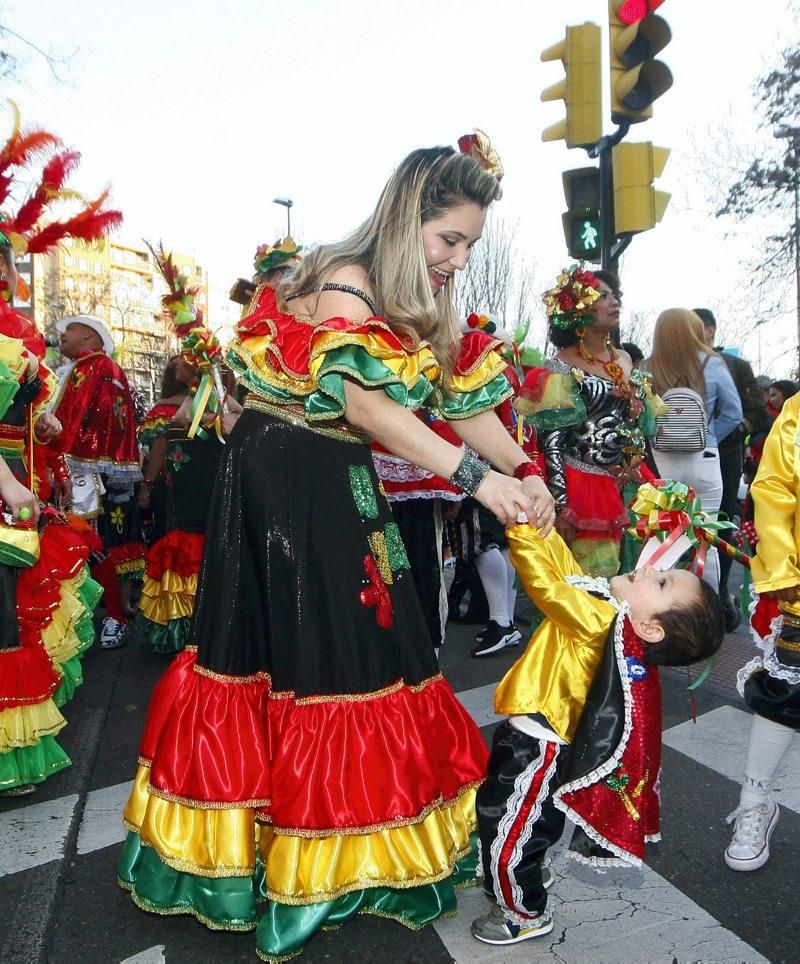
(691, 633)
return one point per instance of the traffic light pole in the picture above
(611, 247)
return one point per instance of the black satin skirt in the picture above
(304, 574)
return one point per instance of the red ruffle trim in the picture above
(594, 503)
(339, 764)
(179, 552)
(475, 346)
(292, 341)
(129, 552)
(27, 676)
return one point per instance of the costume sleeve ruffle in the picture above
(13, 363)
(776, 564)
(479, 382)
(288, 359)
(551, 399)
(155, 424)
(653, 406)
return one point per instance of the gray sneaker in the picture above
(494, 928)
(752, 829)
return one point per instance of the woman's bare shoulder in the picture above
(333, 304)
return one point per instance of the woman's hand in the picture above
(15, 497)
(539, 494)
(505, 497)
(47, 427)
(788, 595)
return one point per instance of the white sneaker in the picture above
(114, 633)
(749, 848)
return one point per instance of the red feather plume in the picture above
(88, 225)
(54, 176)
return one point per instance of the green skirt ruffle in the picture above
(167, 638)
(32, 764)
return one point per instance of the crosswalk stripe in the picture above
(608, 917)
(34, 835)
(719, 741)
(102, 818)
(479, 703)
(153, 955)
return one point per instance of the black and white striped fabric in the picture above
(684, 428)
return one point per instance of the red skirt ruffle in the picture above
(179, 552)
(27, 676)
(594, 503)
(317, 764)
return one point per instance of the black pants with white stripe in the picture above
(517, 820)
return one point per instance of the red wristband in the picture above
(524, 469)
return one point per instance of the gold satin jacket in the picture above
(553, 675)
(776, 496)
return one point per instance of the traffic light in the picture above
(580, 89)
(637, 205)
(582, 227)
(636, 35)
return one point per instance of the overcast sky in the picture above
(199, 113)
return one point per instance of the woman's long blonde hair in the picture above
(677, 338)
(388, 246)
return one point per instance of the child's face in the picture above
(649, 593)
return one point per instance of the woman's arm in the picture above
(399, 431)
(15, 496)
(728, 404)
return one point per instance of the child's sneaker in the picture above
(496, 637)
(495, 929)
(749, 848)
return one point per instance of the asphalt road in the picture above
(58, 850)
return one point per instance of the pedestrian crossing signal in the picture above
(583, 230)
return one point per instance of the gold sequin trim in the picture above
(206, 804)
(790, 620)
(334, 429)
(365, 883)
(173, 911)
(189, 867)
(419, 687)
(377, 543)
(143, 761)
(191, 648)
(258, 677)
(279, 958)
(437, 804)
(782, 643)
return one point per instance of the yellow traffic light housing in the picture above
(580, 89)
(637, 205)
(583, 231)
(637, 79)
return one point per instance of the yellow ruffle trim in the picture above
(301, 870)
(171, 598)
(59, 637)
(492, 365)
(12, 355)
(558, 394)
(26, 725)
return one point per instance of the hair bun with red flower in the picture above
(568, 302)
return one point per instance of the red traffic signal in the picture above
(632, 11)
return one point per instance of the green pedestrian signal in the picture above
(583, 231)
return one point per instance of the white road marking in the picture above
(153, 955)
(479, 703)
(719, 741)
(604, 918)
(34, 835)
(102, 818)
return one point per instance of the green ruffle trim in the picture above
(221, 903)
(32, 764)
(167, 638)
(457, 405)
(230, 903)
(284, 929)
(72, 677)
(9, 386)
(328, 401)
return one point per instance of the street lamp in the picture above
(286, 203)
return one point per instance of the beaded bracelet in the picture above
(524, 469)
(470, 473)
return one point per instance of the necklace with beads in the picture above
(615, 372)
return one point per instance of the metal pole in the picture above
(289, 220)
(797, 240)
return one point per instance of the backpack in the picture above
(684, 428)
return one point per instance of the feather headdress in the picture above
(179, 301)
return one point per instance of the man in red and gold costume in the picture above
(95, 407)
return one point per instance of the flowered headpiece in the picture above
(479, 146)
(282, 254)
(568, 303)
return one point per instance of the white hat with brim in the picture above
(91, 322)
